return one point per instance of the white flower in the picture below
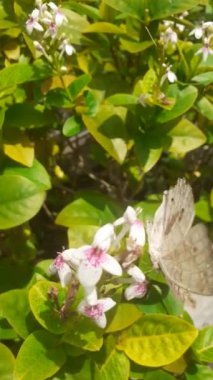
(133, 226)
(169, 36)
(197, 32)
(66, 47)
(51, 31)
(137, 237)
(97, 311)
(63, 269)
(60, 18)
(171, 76)
(138, 288)
(32, 22)
(92, 260)
(205, 50)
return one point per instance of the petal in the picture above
(65, 274)
(130, 215)
(38, 26)
(101, 321)
(35, 13)
(104, 237)
(88, 275)
(136, 273)
(74, 255)
(81, 307)
(107, 303)
(53, 6)
(69, 49)
(111, 265)
(131, 292)
(91, 295)
(137, 236)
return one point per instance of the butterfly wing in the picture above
(189, 266)
(172, 220)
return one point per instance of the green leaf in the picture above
(184, 101)
(80, 369)
(20, 200)
(204, 78)
(206, 108)
(103, 27)
(18, 73)
(198, 372)
(71, 127)
(37, 174)
(203, 208)
(78, 85)
(14, 306)
(75, 26)
(39, 357)
(148, 149)
(21, 150)
(186, 136)
(158, 375)
(91, 209)
(157, 339)
(20, 274)
(80, 235)
(116, 366)
(84, 334)
(107, 127)
(7, 362)
(43, 309)
(154, 10)
(122, 99)
(6, 331)
(135, 47)
(25, 115)
(203, 345)
(125, 315)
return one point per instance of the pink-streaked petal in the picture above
(111, 265)
(104, 237)
(101, 321)
(88, 275)
(136, 273)
(107, 303)
(65, 274)
(60, 18)
(91, 295)
(135, 291)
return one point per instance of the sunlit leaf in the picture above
(185, 136)
(85, 334)
(103, 27)
(20, 200)
(203, 345)
(43, 308)
(157, 339)
(7, 362)
(39, 357)
(124, 316)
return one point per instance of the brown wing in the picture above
(172, 220)
(190, 265)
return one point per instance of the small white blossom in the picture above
(205, 50)
(32, 22)
(138, 288)
(63, 269)
(66, 47)
(60, 18)
(169, 36)
(197, 32)
(97, 311)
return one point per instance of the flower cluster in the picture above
(45, 23)
(204, 31)
(87, 264)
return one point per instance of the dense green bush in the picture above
(103, 104)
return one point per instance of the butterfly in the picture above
(183, 252)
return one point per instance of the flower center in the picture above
(58, 262)
(141, 288)
(95, 256)
(94, 311)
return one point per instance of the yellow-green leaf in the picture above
(185, 136)
(7, 362)
(125, 315)
(21, 151)
(157, 340)
(203, 345)
(103, 27)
